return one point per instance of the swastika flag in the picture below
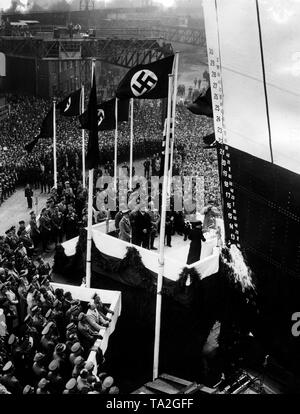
(46, 131)
(146, 81)
(70, 106)
(106, 115)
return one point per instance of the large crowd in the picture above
(48, 334)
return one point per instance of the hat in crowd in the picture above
(31, 213)
(89, 365)
(48, 313)
(46, 330)
(34, 309)
(38, 357)
(71, 384)
(71, 326)
(54, 365)
(74, 308)
(22, 222)
(8, 366)
(28, 318)
(12, 338)
(126, 211)
(28, 389)
(60, 348)
(76, 347)
(108, 382)
(24, 272)
(78, 360)
(43, 383)
(56, 303)
(81, 316)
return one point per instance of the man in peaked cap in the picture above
(56, 382)
(38, 319)
(79, 363)
(21, 227)
(38, 366)
(76, 350)
(89, 366)
(28, 389)
(9, 380)
(43, 387)
(196, 237)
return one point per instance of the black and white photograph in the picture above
(149, 200)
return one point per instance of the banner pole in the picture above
(83, 139)
(89, 230)
(162, 239)
(116, 145)
(54, 144)
(176, 61)
(90, 216)
(131, 145)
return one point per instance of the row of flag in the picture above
(148, 81)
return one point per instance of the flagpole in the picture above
(162, 238)
(116, 145)
(90, 216)
(131, 144)
(54, 144)
(83, 139)
(176, 61)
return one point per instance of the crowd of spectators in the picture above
(46, 335)
(18, 167)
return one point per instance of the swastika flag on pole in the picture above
(146, 81)
(70, 106)
(46, 131)
(106, 115)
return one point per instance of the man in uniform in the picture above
(45, 228)
(29, 195)
(34, 231)
(147, 168)
(125, 227)
(9, 380)
(196, 237)
(155, 219)
(38, 366)
(143, 227)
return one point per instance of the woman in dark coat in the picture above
(196, 236)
